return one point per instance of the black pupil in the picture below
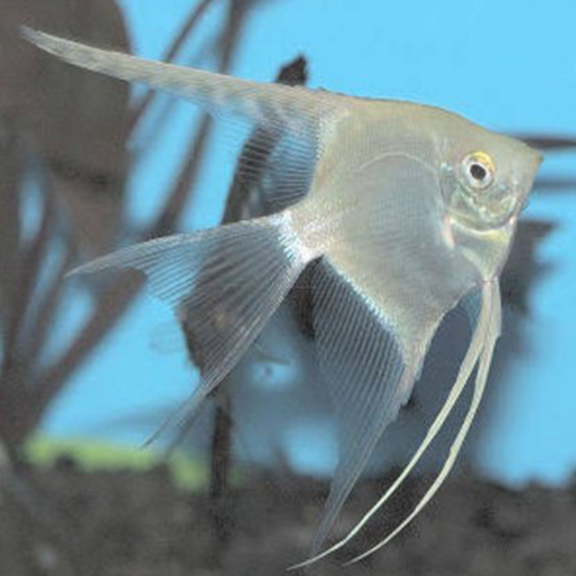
(478, 172)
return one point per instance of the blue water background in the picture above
(507, 65)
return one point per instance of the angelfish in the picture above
(409, 210)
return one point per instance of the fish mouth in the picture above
(486, 213)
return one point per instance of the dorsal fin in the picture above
(286, 120)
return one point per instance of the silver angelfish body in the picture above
(410, 210)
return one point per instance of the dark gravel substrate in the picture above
(63, 522)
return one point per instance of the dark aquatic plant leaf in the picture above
(11, 176)
(548, 142)
(63, 132)
(552, 144)
(555, 185)
(73, 123)
(523, 267)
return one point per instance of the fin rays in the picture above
(223, 284)
(285, 143)
(479, 352)
(364, 371)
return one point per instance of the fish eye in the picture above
(478, 170)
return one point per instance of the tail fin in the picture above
(223, 284)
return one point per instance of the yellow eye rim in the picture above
(479, 169)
